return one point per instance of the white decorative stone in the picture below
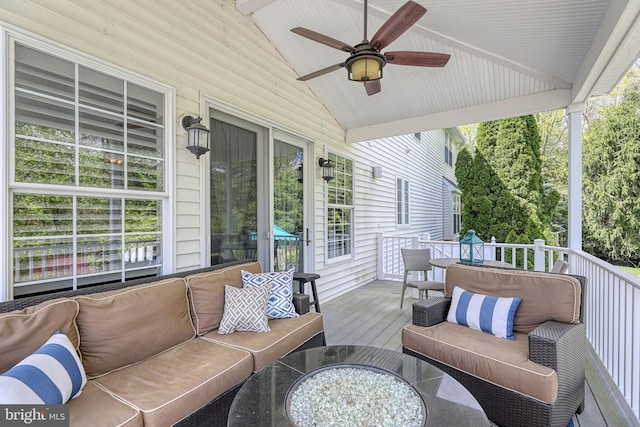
(345, 396)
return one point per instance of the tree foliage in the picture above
(611, 186)
(503, 194)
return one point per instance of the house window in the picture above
(88, 188)
(456, 212)
(340, 208)
(448, 149)
(402, 202)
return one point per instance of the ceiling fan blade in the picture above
(325, 40)
(372, 87)
(397, 24)
(418, 59)
(321, 72)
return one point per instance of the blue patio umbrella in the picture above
(280, 233)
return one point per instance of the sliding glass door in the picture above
(233, 195)
(289, 228)
(257, 203)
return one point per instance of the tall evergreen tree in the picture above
(502, 186)
(611, 186)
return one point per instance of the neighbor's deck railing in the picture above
(612, 299)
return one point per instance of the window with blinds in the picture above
(89, 183)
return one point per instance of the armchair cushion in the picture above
(544, 296)
(483, 312)
(492, 359)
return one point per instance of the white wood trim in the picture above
(509, 108)
(574, 234)
(6, 290)
(617, 25)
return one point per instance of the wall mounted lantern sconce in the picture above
(327, 168)
(197, 135)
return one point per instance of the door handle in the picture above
(307, 241)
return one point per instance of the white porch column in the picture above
(574, 122)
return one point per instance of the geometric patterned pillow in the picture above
(281, 299)
(483, 312)
(51, 375)
(245, 310)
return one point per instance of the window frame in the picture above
(9, 186)
(333, 156)
(456, 210)
(403, 202)
(448, 149)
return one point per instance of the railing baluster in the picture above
(30, 264)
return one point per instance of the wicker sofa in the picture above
(537, 379)
(150, 347)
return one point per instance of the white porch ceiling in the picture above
(507, 57)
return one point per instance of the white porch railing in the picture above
(612, 307)
(538, 257)
(613, 321)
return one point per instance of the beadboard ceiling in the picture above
(507, 57)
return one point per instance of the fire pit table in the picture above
(325, 384)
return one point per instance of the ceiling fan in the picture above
(366, 62)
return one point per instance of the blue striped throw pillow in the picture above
(483, 312)
(53, 374)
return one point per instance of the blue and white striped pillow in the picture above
(53, 374)
(483, 312)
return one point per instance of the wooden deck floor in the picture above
(371, 315)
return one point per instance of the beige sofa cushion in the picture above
(496, 360)
(266, 347)
(124, 327)
(206, 293)
(96, 407)
(545, 296)
(174, 384)
(24, 331)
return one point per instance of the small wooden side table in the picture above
(303, 278)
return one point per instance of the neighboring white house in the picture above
(93, 100)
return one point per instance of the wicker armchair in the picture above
(554, 344)
(418, 260)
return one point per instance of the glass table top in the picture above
(261, 400)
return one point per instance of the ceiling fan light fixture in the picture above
(365, 68)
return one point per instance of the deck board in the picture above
(371, 315)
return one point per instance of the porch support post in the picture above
(574, 122)
(381, 255)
